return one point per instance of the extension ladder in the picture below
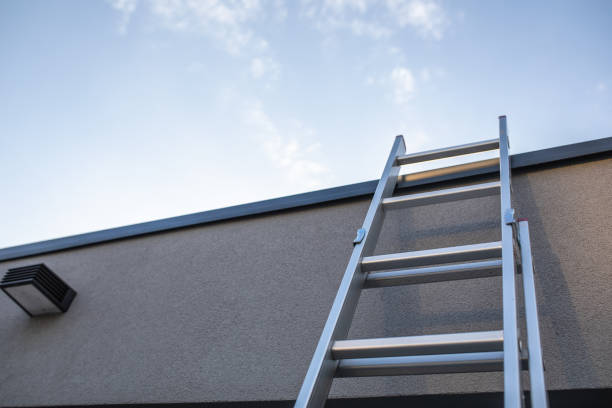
(443, 353)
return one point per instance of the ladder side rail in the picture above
(512, 375)
(320, 374)
(539, 398)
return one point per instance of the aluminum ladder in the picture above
(485, 351)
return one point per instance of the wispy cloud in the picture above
(357, 26)
(264, 67)
(345, 15)
(226, 22)
(426, 16)
(291, 148)
(280, 10)
(363, 28)
(378, 18)
(125, 8)
(402, 81)
(429, 74)
(340, 6)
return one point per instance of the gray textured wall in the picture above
(232, 311)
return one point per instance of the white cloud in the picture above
(426, 16)
(257, 68)
(359, 27)
(285, 148)
(280, 10)
(373, 30)
(339, 6)
(395, 52)
(126, 8)
(225, 21)
(345, 15)
(264, 67)
(228, 22)
(402, 81)
(184, 13)
(428, 74)
(383, 17)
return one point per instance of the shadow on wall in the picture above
(566, 360)
(443, 306)
(432, 308)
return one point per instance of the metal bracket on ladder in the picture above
(509, 218)
(360, 236)
(447, 353)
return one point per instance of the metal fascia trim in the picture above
(283, 203)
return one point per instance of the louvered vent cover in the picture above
(37, 289)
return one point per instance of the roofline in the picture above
(521, 160)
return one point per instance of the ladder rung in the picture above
(475, 147)
(440, 273)
(445, 173)
(428, 364)
(418, 345)
(443, 196)
(432, 256)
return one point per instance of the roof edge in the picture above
(534, 158)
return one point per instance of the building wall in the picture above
(232, 311)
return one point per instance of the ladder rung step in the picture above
(418, 345)
(443, 196)
(469, 148)
(440, 273)
(445, 173)
(432, 256)
(428, 364)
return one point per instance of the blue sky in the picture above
(118, 112)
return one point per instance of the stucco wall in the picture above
(232, 311)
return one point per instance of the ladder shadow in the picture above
(555, 306)
(406, 310)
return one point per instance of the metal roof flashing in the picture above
(534, 158)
